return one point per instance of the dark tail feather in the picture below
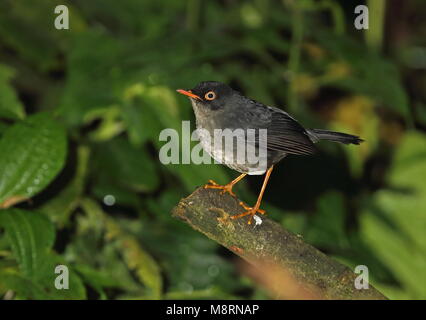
(318, 134)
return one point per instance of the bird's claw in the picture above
(212, 182)
(227, 188)
(261, 211)
(251, 211)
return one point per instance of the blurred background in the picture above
(104, 89)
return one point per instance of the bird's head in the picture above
(208, 96)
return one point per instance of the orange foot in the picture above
(251, 211)
(227, 188)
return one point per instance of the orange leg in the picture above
(227, 188)
(251, 211)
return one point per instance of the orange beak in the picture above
(188, 93)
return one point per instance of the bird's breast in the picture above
(229, 146)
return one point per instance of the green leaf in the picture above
(399, 254)
(62, 205)
(44, 287)
(407, 203)
(10, 106)
(135, 257)
(194, 263)
(370, 74)
(33, 153)
(409, 165)
(17, 30)
(98, 279)
(397, 235)
(326, 228)
(3, 128)
(149, 109)
(31, 236)
(129, 166)
(110, 124)
(46, 279)
(23, 287)
(84, 66)
(140, 122)
(145, 267)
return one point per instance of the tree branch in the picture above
(268, 243)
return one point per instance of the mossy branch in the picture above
(268, 243)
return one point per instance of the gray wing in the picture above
(284, 133)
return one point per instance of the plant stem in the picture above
(295, 49)
(374, 35)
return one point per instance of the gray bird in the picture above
(218, 106)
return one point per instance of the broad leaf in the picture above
(369, 73)
(33, 153)
(31, 236)
(398, 239)
(122, 163)
(10, 106)
(62, 205)
(22, 287)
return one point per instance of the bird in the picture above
(219, 107)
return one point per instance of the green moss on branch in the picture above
(268, 242)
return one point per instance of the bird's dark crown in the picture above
(220, 90)
(218, 87)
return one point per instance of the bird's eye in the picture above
(210, 95)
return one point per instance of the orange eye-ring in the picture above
(210, 95)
